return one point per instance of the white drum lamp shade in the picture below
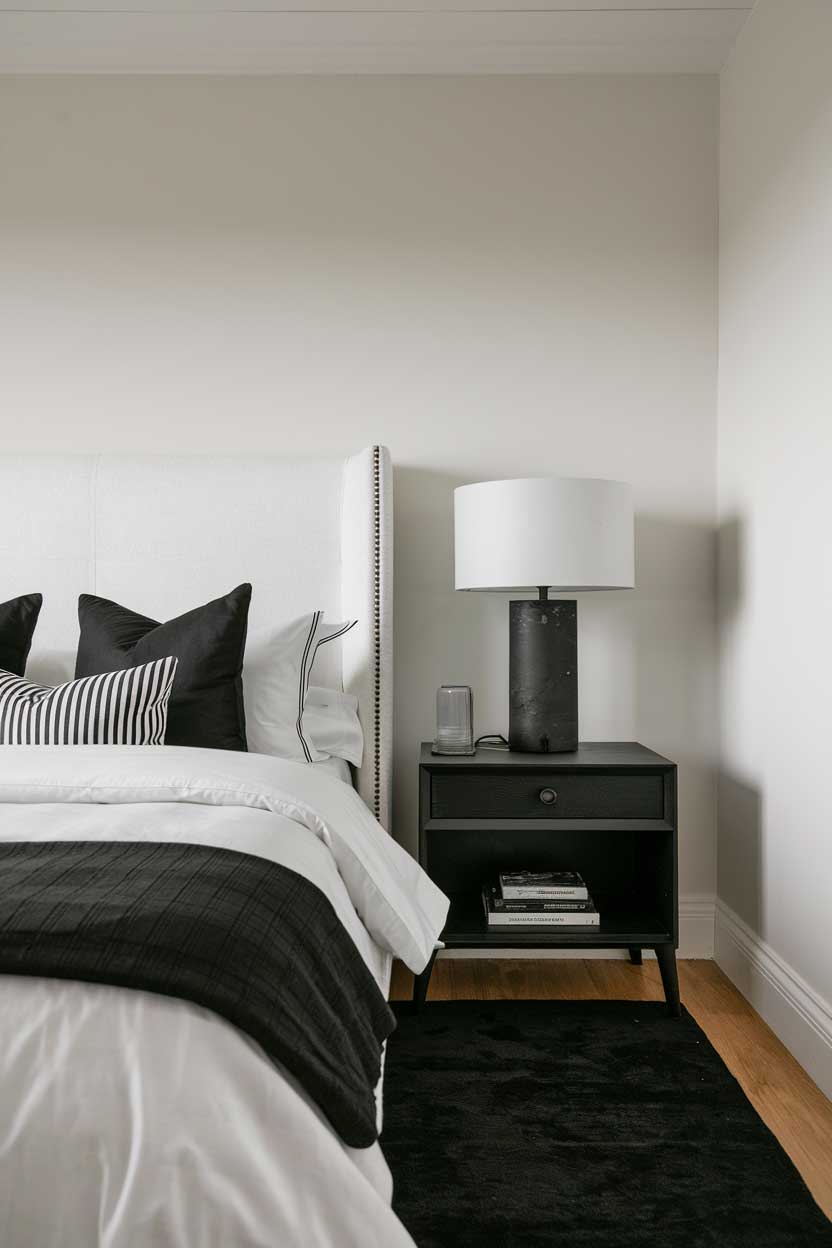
(567, 533)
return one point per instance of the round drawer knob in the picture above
(548, 797)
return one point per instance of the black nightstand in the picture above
(607, 810)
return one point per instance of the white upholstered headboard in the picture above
(164, 534)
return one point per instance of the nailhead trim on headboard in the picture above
(377, 631)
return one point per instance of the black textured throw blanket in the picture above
(249, 939)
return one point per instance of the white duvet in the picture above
(131, 1120)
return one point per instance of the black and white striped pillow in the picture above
(129, 707)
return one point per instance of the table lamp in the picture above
(564, 534)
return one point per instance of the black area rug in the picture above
(578, 1123)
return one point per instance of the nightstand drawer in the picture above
(541, 794)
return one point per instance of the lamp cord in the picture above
(496, 739)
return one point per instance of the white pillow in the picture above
(275, 681)
(330, 721)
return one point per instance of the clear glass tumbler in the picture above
(454, 720)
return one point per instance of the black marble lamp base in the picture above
(543, 676)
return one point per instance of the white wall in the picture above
(493, 276)
(774, 931)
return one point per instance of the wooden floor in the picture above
(782, 1093)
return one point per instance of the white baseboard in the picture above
(793, 1010)
(696, 938)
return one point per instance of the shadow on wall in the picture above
(647, 656)
(674, 631)
(739, 861)
(731, 539)
(739, 803)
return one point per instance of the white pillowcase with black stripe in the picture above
(128, 707)
(276, 673)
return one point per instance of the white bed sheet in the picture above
(132, 1120)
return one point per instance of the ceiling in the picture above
(368, 36)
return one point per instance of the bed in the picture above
(131, 1114)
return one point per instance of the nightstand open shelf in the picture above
(607, 810)
(467, 928)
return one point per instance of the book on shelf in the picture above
(535, 905)
(537, 918)
(527, 885)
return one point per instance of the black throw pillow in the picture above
(206, 703)
(18, 618)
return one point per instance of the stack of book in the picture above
(539, 899)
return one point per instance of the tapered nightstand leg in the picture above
(666, 956)
(635, 955)
(421, 981)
